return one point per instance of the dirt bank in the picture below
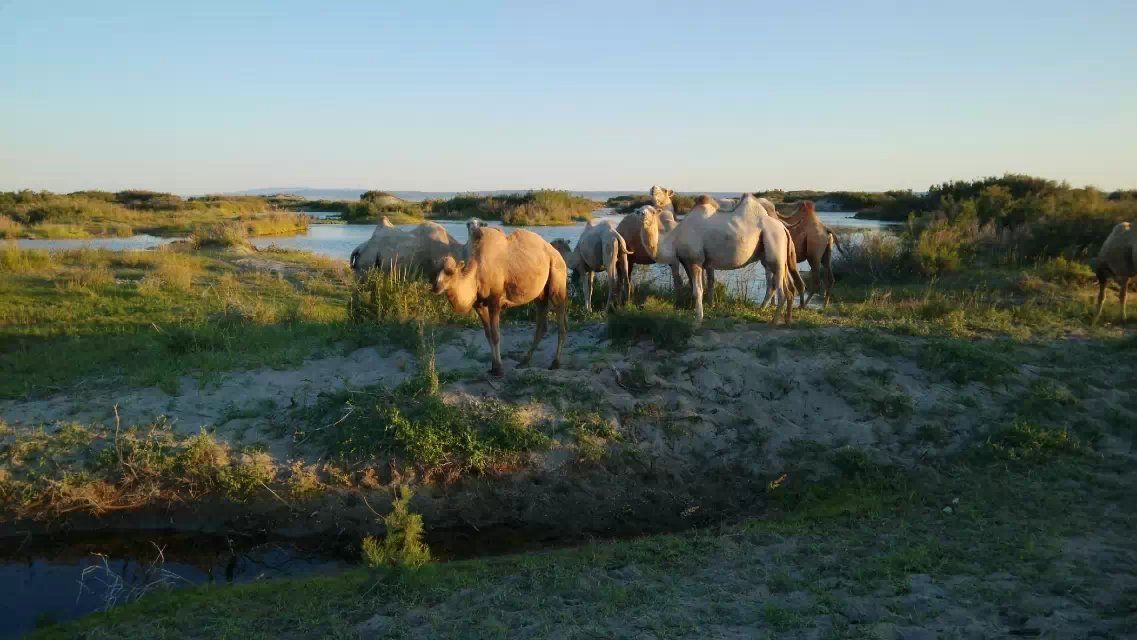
(691, 436)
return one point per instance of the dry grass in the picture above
(9, 228)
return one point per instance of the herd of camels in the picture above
(493, 271)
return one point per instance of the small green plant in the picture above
(1029, 442)
(666, 329)
(402, 547)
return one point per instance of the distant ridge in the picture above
(311, 193)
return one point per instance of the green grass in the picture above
(87, 214)
(829, 545)
(541, 207)
(151, 317)
(665, 327)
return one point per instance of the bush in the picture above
(402, 546)
(665, 328)
(1028, 442)
(541, 207)
(223, 235)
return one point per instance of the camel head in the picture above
(384, 222)
(649, 228)
(661, 196)
(473, 224)
(448, 270)
(563, 247)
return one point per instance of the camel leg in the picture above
(586, 280)
(1103, 282)
(487, 325)
(631, 289)
(495, 322)
(710, 291)
(1124, 292)
(613, 288)
(562, 322)
(695, 272)
(679, 291)
(769, 290)
(814, 284)
(677, 280)
(827, 261)
(542, 305)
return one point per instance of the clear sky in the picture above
(206, 96)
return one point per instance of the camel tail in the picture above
(836, 242)
(792, 273)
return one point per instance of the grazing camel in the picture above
(708, 240)
(1117, 259)
(813, 242)
(421, 248)
(502, 272)
(630, 229)
(600, 248)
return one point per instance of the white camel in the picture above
(599, 248)
(419, 248)
(708, 240)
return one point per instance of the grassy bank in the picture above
(148, 317)
(86, 214)
(541, 207)
(1018, 536)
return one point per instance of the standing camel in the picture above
(813, 242)
(1117, 259)
(419, 248)
(631, 226)
(507, 271)
(709, 240)
(599, 248)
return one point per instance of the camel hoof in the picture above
(497, 372)
(555, 365)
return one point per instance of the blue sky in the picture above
(204, 96)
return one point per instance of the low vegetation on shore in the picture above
(683, 203)
(540, 207)
(85, 214)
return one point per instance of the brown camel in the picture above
(1117, 259)
(502, 272)
(814, 244)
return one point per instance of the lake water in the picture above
(338, 241)
(46, 580)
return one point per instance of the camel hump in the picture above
(705, 199)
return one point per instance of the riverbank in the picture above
(234, 390)
(1022, 540)
(94, 214)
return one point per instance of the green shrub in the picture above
(665, 328)
(1028, 442)
(402, 546)
(540, 207)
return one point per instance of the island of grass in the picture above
(87, 214)
(532, 208)
(540, 207)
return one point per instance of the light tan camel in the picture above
(599, 248)
(630, 228)
(502, 272)
(1118, 260)
(814, 243)
(709, 240)
(419, 248)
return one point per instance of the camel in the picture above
(600, 248)
(708, 240)
(630, 228)
(813, 242)
(507, 271)
(420, 248)
(1118, 260)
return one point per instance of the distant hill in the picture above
(310, 193)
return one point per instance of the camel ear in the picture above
(670, 193)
